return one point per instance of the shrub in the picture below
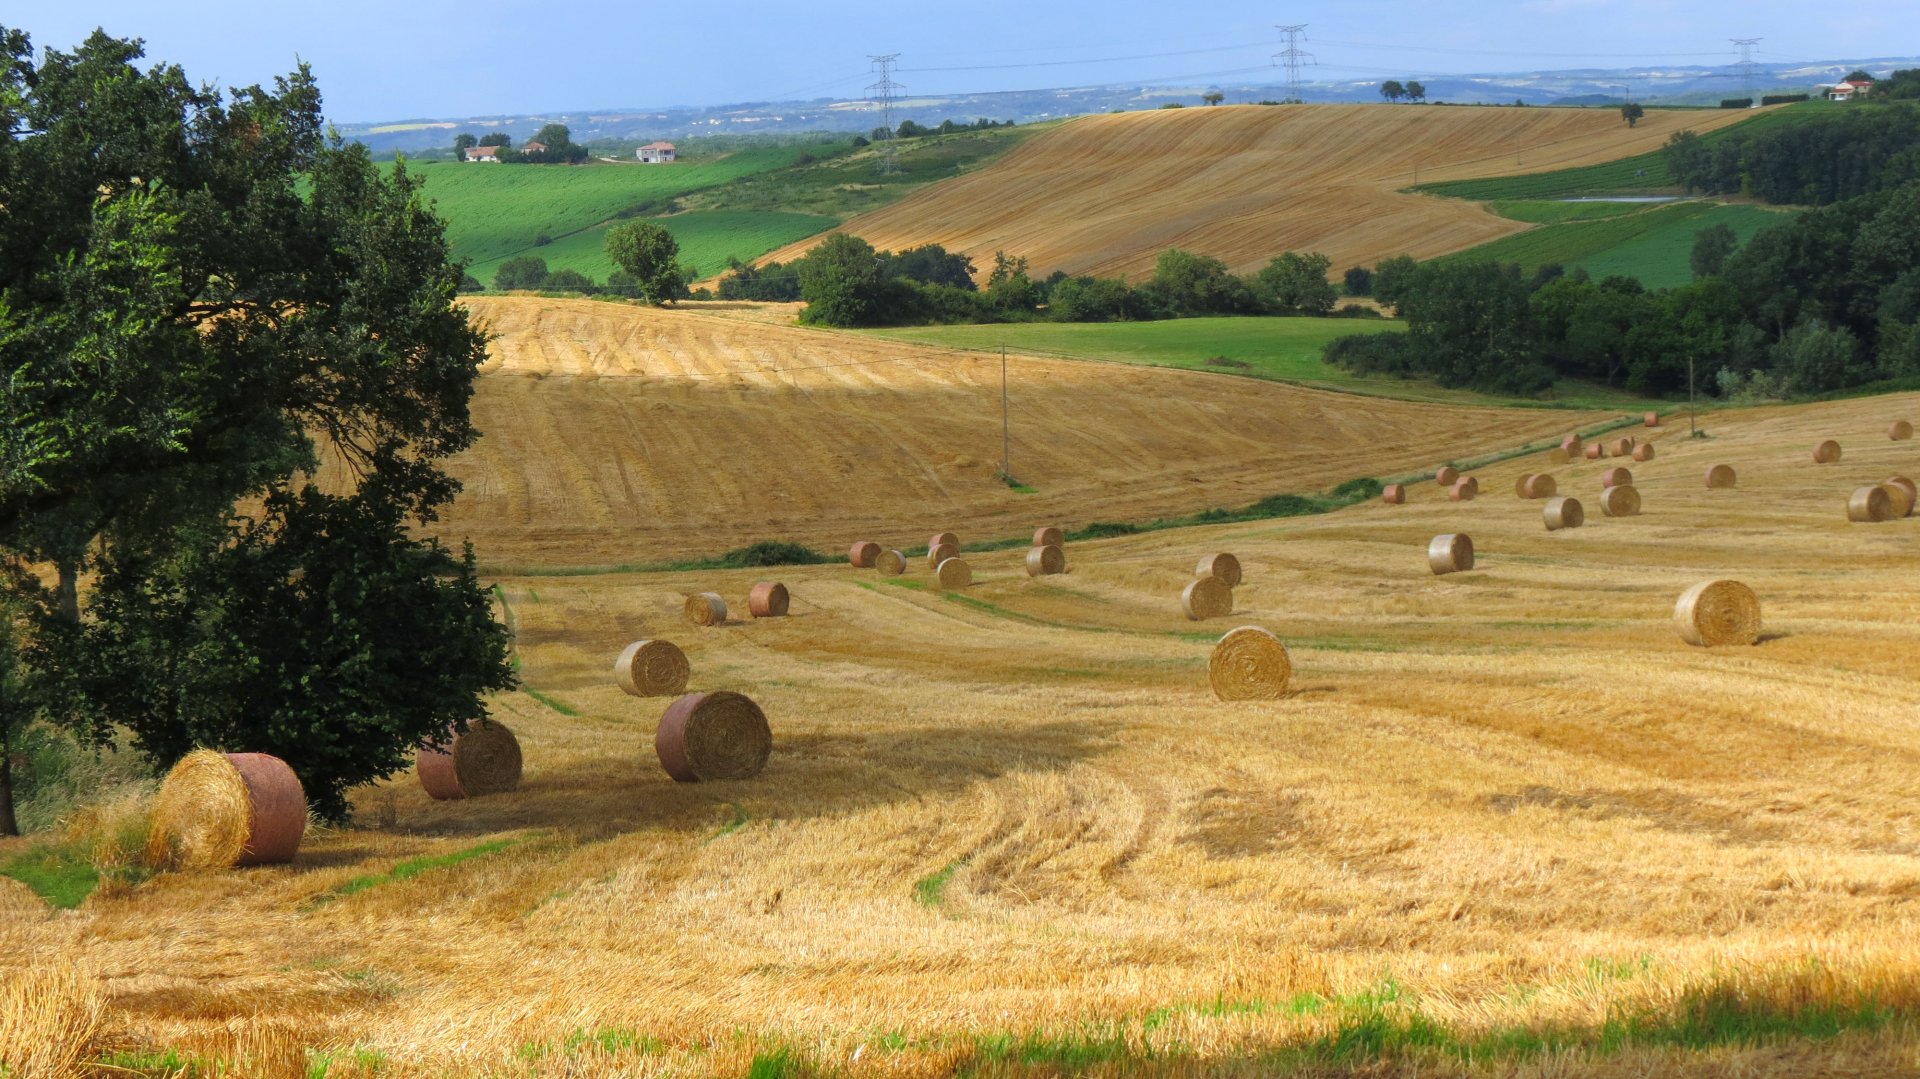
(1783, 99)
(773, 553)
(1105, 529)
(1736, 103)
(1359, 490)
(1373, 354)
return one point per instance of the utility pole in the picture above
(1292, 58)
(1006, 432)
(885, 91)
(1692, 430)
(1746, 65)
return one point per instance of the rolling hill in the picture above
(1106, 194)
(617, 434)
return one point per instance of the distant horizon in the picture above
(437, 60)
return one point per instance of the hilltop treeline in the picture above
(1852, 152)
(1825, 301)
(846, 282)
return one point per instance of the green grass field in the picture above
(1281, 349)
(496, 211)
(1652, 245)
(1641, 174)
(1559, 212)
(707, 239)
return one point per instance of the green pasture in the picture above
(1652, 245)
(707, 239)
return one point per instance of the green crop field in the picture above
(496, 211)
(1282, 349)
(1641, 174)
(1652, 245)
(1559, 211)
(707, 239)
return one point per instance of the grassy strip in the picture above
(411, 868)
(559, 706)
(62, 875)
(930, 890)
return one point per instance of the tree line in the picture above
(1844, 154)
(1825, 301)
(846, 282)
(560, 149)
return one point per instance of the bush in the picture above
(1107, 529)
(1092, 299)
(1359, 490)
(1355, 310)
(773, 553)
(570, 281)
(525, 271)
(1783, 99)
(1737, 103)
(1284, 506)
(1373, 354)
(1359, 281)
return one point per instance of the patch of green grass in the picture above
(707, 240)
(930, 890)
(781, 1063)
(1557, 212)
(1275, 349)
(413, 867)
(1067, 1052)
(613, 1040)
(60, 874)
(733, 824)
(553, 703)
(1652, 245)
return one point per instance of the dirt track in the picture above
(615, 435)
(1105, 195)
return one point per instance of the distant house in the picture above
(1847, 91)
(533, 146)
(484, 153)
(655, 153)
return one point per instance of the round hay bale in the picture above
(1393, 494)
(1447, 476)
(768, 599)
(1541, 486)
(1464, 491)
(1651, 419)
(1643, 452)
(1558, 456)
(713, 736)
(1224, 566)
(484, 760)
(1720, 477)
(1049, 537)
(705, 609)
(1249, 664)
(862, 554)
(1520, 484)
(1621, 501)
(1451, 553)
(1473, 482)
(1563, 513)
(1912, 493)
(1623, 447)
(1046, 561)
(1714, 613)
(941, 552)
(890, 563)
(217, 810)
(947, 538)
(1597, 451)
(652, 669)
(1574, 445)
(1900, 430)
(953, 574)
(1207, 597)
(1870, 504)
(1901, 499)
(1826, 452)
(1616, 477)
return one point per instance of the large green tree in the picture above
(1296, 284)
(840, 280)
(649, 254)
(202, 299)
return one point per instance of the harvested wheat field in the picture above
(619, 435)
(1503, 822)
(1104, 195)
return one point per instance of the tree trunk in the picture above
(9, 824)
(67, 593)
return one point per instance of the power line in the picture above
(1070, 63)
(1292, 57)
(1746, 65)
(884, 90)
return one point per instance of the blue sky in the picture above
(418, 58)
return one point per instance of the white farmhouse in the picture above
(655, 153)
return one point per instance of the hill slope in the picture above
(1106, 194)
(617, 434)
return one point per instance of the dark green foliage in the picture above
(1903, 85)
(201, 298)
(1712, 246)
(1391, 278)
(1296, 284)
(1783, 99)
(1105, 530)
(840, 280)
(560, 148)
(1374, 354)
(1736, 103)
(773, 553)
(319, 633)
(1468, 322)
(1359, 490)
(770, 282)
(470, 283)
(1093, 299)
(1185, 285)
(569, 281)
(1359, 281)
(497, 138)
(1631, 112)
(649, 255)
(1009, 289)
(1840, 155)
(929, 264)
(521, 272)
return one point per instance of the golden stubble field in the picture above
(616, 435)
(1245, 183)
(1505, 799)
